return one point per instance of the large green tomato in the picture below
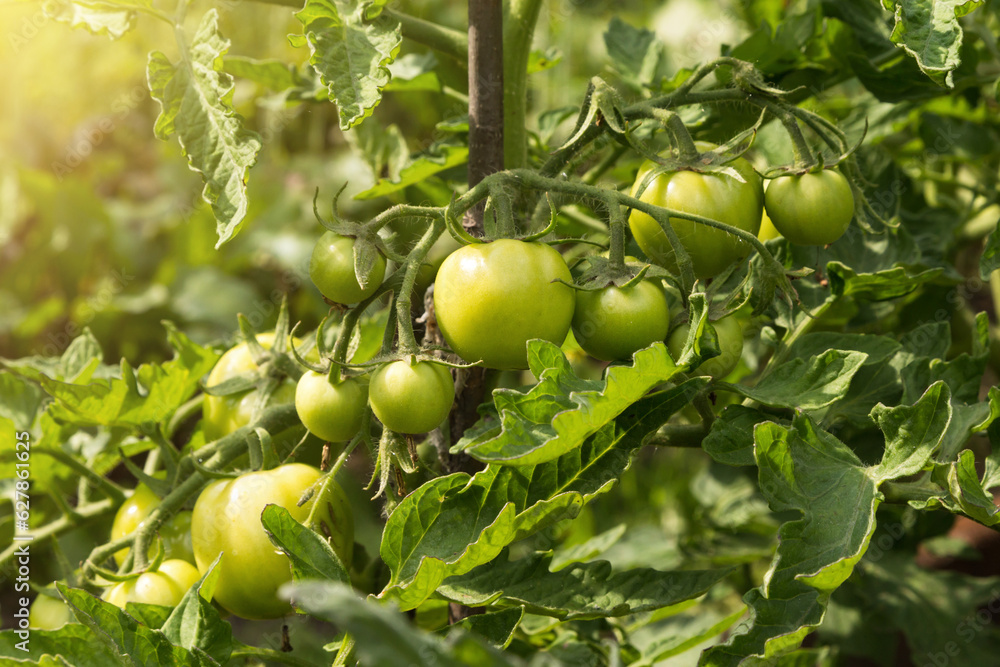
(490, 299)
(48, 613)
(411, 398)
(716, 196)
(164, 587)
(227, 520)
(224, 414)
(611, 324)
(175, 533)
(331, 269)
(331, 412)
(730, 335)
(810, 209)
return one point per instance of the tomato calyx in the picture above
(603, 273)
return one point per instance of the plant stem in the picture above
(63, 524)
(486, 97)
(404, 320)
(447, 41)
(519, 29)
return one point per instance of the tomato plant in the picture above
(820, 493)
(490, 299)
(612, 323)
(166, 586)
(226, 521)
(718, 196)
(331, 269)
(810, 209)
(333, 412)
(411, 398)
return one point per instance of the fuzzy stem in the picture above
(404, 321)
(447, 41)
(519, 29)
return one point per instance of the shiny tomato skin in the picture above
(224, 414)
(164, 587)
(331, 412)
(810, 209)
(490, 299)
(611, 324)
(712, 195)
(227, 520)
(411, 398)
(331, 269)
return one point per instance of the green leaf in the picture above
(382, 636)
(75, 642)
(78, 363)
(350, 53)
(414, 71)
(678, 633)
(195, 624)
(807, 385)
(149, 394)
(101, 17)
(423, 542)
(312, 556)
(635, 53)
(580, 590)
(808, 470)
(196, 104)
(880, 286)
(590, 549)
(556, 415)
(278, 76)
(437, 158)
(128, 641)
(930, 32)
(939, 613)
(496, 627)
(730, 440)
(989, 261)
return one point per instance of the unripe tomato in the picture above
(164, 587)
(810, 209)
(48, 613)
(331, 412)
(175, 533)
(490, 299)
(730, 335)
(767, 230)
(411, 398)
(710, 195)
(331, 269)
(227, 520)
(224, 414)
(611, 324)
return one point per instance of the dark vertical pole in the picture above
(485, 157)
(485, 96)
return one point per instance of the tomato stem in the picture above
(404, 320)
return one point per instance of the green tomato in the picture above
(714, 195)
(611, 324)
(48, 613)
(331, 412)
(331, 269)
(767, 229)
(227, 520)
(490, 299)
(810, 209)
(175, 533)
(224, 414)
(164, 587)
(411, 398)
(730, 335)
